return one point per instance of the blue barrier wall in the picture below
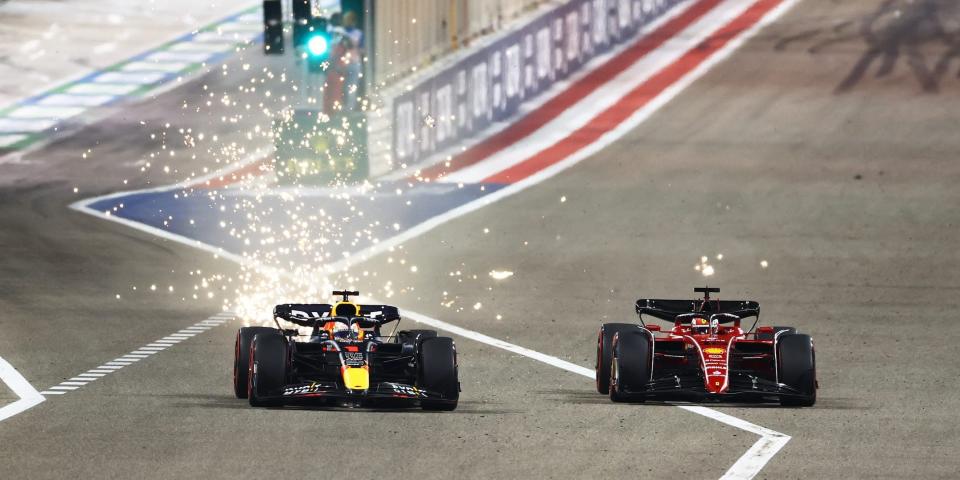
(491, 84)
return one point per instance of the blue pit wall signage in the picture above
(491, 84)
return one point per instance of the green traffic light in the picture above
(318, 45)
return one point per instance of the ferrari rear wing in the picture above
(668, 310)
(307, 314)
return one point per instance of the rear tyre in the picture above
(437, 372)
(241, 357)
(605, 353)
(630, 367)
(771, 336)
(798, 369)
(268, 369)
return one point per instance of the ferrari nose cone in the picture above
(356, 378)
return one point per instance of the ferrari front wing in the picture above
(742, 385)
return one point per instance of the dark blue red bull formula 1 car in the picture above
(705, 355)
(344, 359)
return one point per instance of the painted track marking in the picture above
(135, 355)
(29, 396)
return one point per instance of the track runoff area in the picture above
(597, 109)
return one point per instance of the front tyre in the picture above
(437, 373)
(798, 369)
(241, 357)
(630, 367)
(605, 353)
(268, 369)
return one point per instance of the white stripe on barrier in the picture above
(41, 112)
(102, 89)
(197, 47)
(214, 37)
(130, 78)
(18, 125)
(187, 58)
(67, 100)
(165, 67)
(8, 140)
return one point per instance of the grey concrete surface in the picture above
(44, 43)
(848, 193)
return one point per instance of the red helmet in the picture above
(699, 326)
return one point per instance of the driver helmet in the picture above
(337, 328)
(699, 326)
(341, 331)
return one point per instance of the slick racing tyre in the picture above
(605, 353)
(413, 336)
(630, 367)
(437, 372)
(268, 369)
(241, 357)
(798, 369)
(771, 336)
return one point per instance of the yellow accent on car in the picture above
(714, 350)
(356, 378)
(335, 312)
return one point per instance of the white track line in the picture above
(751, 462)
(134, 356)
(29, 396)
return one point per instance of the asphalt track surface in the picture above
(847, 188)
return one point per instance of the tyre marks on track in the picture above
(138, 354)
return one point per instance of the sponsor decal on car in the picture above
(714, 350)
(353, 358)
(407, 390)
(306, 389)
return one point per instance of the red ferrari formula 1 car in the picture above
(705, 355)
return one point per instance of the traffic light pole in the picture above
(322, 137)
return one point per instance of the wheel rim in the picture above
(614, 377)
